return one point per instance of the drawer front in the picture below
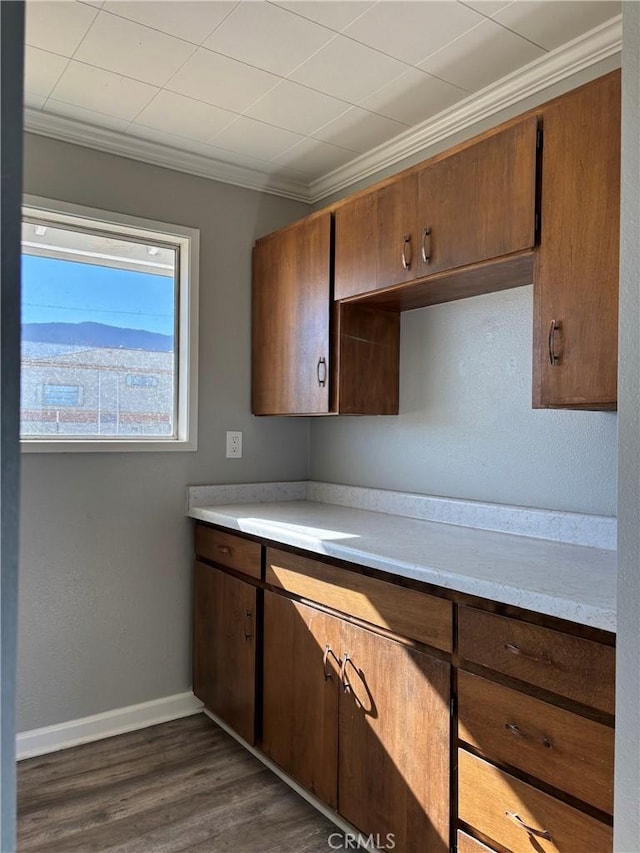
(579, 669)
(567, 751)
(521, 818)
(228, 550)
(406, 612)
(467, 844)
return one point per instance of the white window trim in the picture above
(187, 407)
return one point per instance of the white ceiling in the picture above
(289, 90)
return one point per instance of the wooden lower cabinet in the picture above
(224, 647)
(394, 724)
(354, 706)
(300, 694)
(361, 720)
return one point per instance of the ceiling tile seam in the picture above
(348, 104)
(153, 30)
(473, 9)
(122, 17)
(89, 28)
(370, 112)
(516, 33)
(106, 71)
(58, 78)
(404, 61)
(463, 35)
(422, 71)
(69, 58)
(326, 26)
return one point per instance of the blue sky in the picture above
(55, 291)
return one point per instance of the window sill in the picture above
(105, 446)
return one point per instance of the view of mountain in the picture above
(97, 335)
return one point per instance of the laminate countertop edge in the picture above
(572, 582)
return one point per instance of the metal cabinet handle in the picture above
(553, 357)
(321, 370)
(328, 652)
(343, 676)
(537, 657)
(539, 833)
(517, 731)
(406, 261)
(224, 549)
(248, 625)
(426, 245)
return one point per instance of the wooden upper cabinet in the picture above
(397, 234)
(356, 246)
(478, 203)
(475, 204)
(290, 319)
(576, 267)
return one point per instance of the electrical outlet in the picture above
(234, 445)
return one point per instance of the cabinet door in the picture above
(356, 261)
(224, 647)
(394, 742)
(397, 237)
(290, 320)
(300, 710)
(575, 333)
(478, 203)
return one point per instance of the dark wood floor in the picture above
(184, 785)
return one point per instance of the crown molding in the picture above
(581, 53)
(114, 142)
(557, 65)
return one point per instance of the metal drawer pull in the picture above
(248, 621)
(224, 549)
(406, 241)
(553, 328)
(321, 370)
(539, 833)
(537, 658)
(517, 731)
(328, 651)
(343, 675)
(426, 245)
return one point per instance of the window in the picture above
(109, 331)
(60, 395)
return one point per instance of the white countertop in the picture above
(572, 582)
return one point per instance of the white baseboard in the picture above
(109, 723)
(357, 840)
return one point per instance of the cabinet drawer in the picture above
(521, 818)
(467, 844)
(579, 669)
(567, 751)
(404, 611)
(228, 550)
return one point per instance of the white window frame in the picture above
(188, 241)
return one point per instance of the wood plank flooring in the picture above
(181, 786)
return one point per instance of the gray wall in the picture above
(11, 65)
(105, 577)
(627, 787)
(466, 427)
